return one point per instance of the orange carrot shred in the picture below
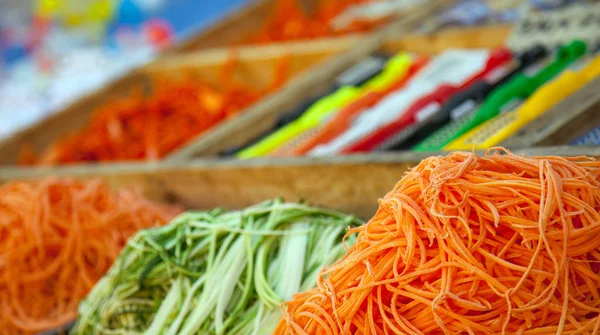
(463, 244)
(57, 238)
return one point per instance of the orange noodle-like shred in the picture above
(468, 244)
(58, 237)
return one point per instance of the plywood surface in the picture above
(487, 37)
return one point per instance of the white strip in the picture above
(498, 73)
(463, 109)
(454, 67)
(427, 112)
(371, 11)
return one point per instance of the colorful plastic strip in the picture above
(323, 108)
(424, 107)
(520, 87)
(501, 127)
(343, 119)
(452, 67)
(464, 101)
(355, 76)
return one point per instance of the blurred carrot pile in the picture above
(148, 127)
(57, 238)
(291, 21)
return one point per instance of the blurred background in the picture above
(55, 52)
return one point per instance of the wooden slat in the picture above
(488, 37)
(563, 123)
(253, 53)
(349, 183)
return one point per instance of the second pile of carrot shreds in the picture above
(499, 244)
(149, 127)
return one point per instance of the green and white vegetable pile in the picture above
(215, 272)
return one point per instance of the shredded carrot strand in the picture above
(57, 238)
(498, 244)
(290, 21)
(176, 111)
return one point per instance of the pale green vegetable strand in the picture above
(215, 272)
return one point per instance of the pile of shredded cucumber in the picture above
(215, 272)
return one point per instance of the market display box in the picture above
(242, 130)
(254, 65)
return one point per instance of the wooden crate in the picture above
(567, 120)
(348, 183)
(563, 123)
(255, 66)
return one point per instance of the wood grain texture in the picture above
(348, 183)
(254, 53)
(563, 123)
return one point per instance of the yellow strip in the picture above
(395, 69)
(312, 116)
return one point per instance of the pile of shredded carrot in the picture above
(139, 127)
(499, 244)
(57, 238)
(290, 21)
